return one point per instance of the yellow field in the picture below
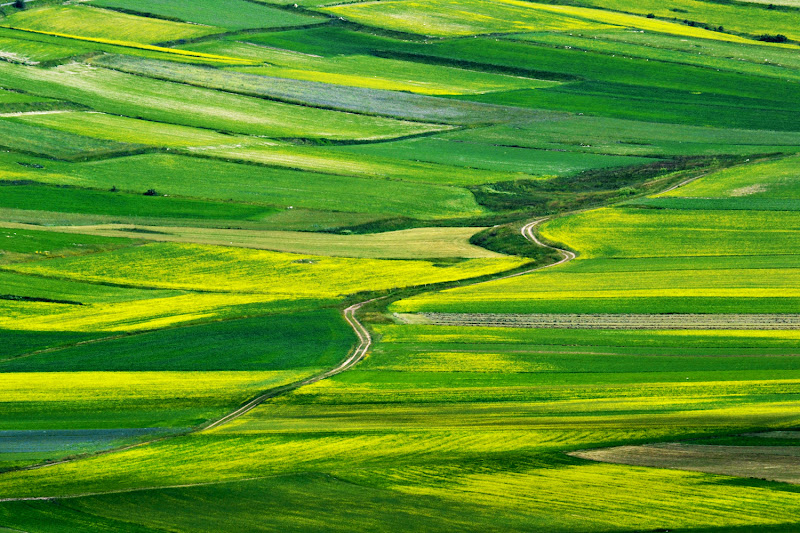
(451, 18)
(417, 243)
(121, 316)
(37, 387)
(93, 23)
(257, 272)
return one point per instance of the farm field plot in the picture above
(475, 154)
(136, 131)
(461, 18)
(30, 138)
(21, 245)
(629, 137)
(127, 399)
(418, 243)
(237, 15)
(627, 321)
(222, 181)
(84, 21)
(635, 101)
(296, 341)
(18, 448)
(30, 48)
(776, 463)
(70, 200)
(418, 431)
(449, 18)
(769, 179)
(258, 272)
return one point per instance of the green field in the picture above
(191, 177)
(453, 265)
(237, 15)
(83, 21)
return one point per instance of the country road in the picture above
(358, 353)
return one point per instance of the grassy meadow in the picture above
(268, 266)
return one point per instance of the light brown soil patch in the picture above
(775, 463)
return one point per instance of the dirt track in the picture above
(358, 353)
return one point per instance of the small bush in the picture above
(773, 38)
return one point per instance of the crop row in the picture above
(618, 321)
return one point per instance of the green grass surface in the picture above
(99, 400)
(84, 21)
(24, 47)
(331, 161)
(754, 59)
(450, 18)
(19, 342)
(282, 187)
(20, 448)
(603, 135)
(625, 232)
(28, 138)
(316, 339)
(477, 154)
(236, 15)
(771, 179)
(20, 244)
(655, 105)
(740, 17)
(69, 200)
(134, 131)
(649, 261)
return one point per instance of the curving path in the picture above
(360, 351)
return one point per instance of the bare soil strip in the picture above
(774, 463)
(612, 321)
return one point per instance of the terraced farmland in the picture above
(454, 265)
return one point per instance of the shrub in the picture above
(773, 38)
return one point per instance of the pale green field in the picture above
(131, 130)
(119, 93)
(419, 243)
(450, 18)
(771, 179)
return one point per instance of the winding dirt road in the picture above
(358, 353)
